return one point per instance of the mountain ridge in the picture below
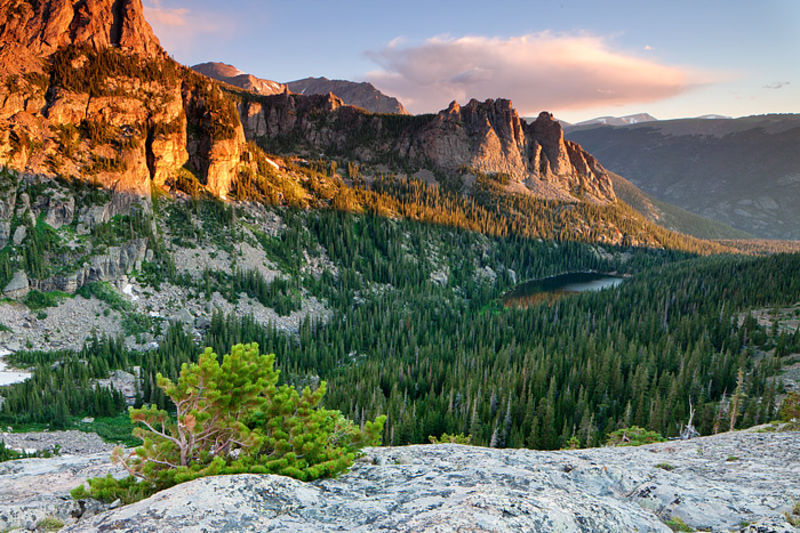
(110, 104)
(234, 76)
(361, 94)
(742, 172)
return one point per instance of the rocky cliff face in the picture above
(35, 30)
(452, 488)
(360, 94)
(87, 92)
(486, 137)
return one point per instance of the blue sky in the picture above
(575, 59)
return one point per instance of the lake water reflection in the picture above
(549, 289)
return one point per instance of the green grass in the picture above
(117, 429)
(665, 466)
(50, 523)
(676, 524)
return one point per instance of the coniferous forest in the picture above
(417, 331)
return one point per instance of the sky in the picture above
(578, 60)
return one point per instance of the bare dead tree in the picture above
(689, 431)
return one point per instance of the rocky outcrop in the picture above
(360, 94)
(732, 482)
(34, 489)
(134, 121)
(116, 262)
(125, 382)
(34, 30)
(487, 137)
(237, 78)
(18, 287)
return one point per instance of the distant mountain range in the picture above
(237, 78)
(744, 172)
(638, 118)
(359, 94)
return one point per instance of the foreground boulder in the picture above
(35, 490)
(733, 482)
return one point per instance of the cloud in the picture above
(158, 15)
(536, 71)
(648, 47)
(180, 28)
(777, 85)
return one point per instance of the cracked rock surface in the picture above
(742, 481)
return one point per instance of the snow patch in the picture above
(128, 290)
(8, 377)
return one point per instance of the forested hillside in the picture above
(152, 212)
(415, 329)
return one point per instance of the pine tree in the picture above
(231, 418)
(737, 398)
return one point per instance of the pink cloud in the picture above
(158, 15)
(178, 27)
(537, 71)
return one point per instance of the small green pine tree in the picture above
(234, 418)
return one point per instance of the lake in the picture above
(548, 289)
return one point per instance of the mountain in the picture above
(742, 172)
(234, 76)
(103, 102)
(487, 137)
(671, 216)
(361, 94)
(90, 95)
(32, 31)
(713, 116)
(638, 118)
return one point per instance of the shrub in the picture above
(793, 517)
(665, 466)
(450, 439)
(677, 524)
(633, 436)
(790, 407)
(233, 418)
(49, 523)
(36, 300)
(106, 293)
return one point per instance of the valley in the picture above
(246, 287)
(741, 172)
